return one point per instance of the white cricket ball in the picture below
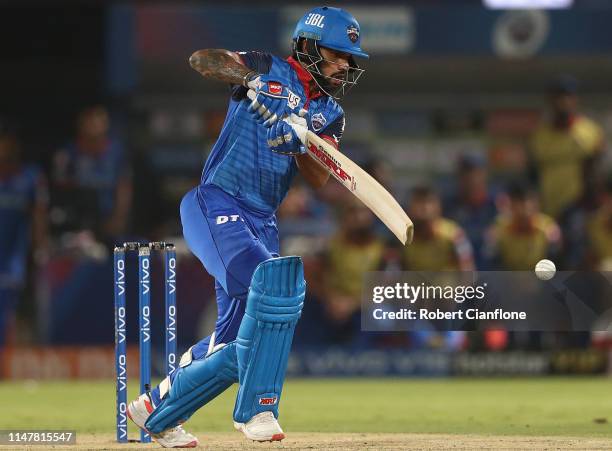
(545, 270)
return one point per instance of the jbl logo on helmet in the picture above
(316, 20)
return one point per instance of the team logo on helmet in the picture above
(353, 33)
(317, 121)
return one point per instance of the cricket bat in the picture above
(356, 180)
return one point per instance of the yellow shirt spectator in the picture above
(600, 238)
(446, 249)
(520, 250)
(347, 264)
(559, 155)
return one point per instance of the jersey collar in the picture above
(305, 78)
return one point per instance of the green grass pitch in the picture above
(528, 407)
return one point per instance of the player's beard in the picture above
(339, 83)
(312, 60)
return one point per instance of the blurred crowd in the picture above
(561, 209)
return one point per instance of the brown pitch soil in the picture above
(350, 441)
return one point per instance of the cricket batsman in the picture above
(229, 223)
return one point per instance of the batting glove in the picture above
(283, 139)
(273, 100)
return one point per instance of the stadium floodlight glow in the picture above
(528, 4)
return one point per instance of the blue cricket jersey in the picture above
(19, 191)
(98, 173)
(241, 163)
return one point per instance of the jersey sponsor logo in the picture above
(222, 219)
(268, 401)
(315, 20)
(317, 121)
(353, 33)
(275, 88)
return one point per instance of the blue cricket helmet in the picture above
(333, 28)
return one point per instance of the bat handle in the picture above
(300, 130)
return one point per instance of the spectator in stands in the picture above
(91, 180)
(352, 252)
(564, 149)
(296, 204)
(439, 244)
(380, 169)
(303, 223)
(472, 206)
(23, 220)
(523, 235)
(599, 234)
(520, 237)
(577, 223)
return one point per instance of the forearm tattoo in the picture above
(218, 64)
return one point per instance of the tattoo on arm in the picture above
(219, 64)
